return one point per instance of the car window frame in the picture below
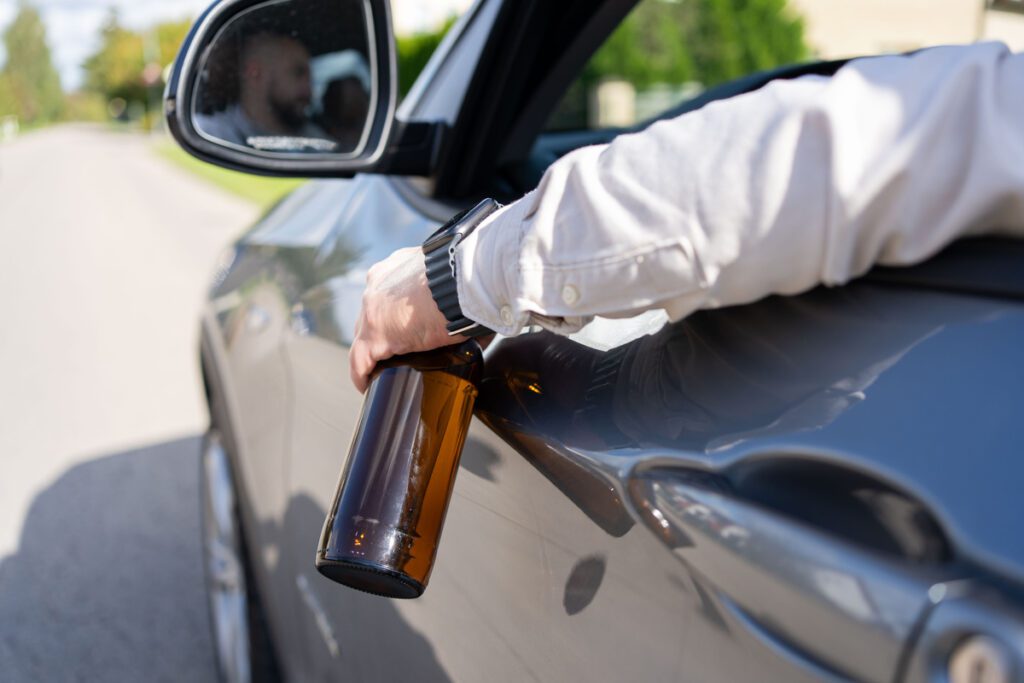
(498, 93)
(504, 157)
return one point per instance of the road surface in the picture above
(107, 249)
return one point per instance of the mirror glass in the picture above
(289, 76)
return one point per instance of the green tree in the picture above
(169, 36)
(129, 64)
(649, 47)
(733, 38)
(414, 52)
(685, 43)
(8, 102)
(29, 84)
(115, 69)
(707, 41)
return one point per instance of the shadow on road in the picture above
(107, 582)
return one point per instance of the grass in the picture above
(260, 190)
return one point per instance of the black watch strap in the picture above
(439, 255)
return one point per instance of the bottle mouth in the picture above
(370, 577)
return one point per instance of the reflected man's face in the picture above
(290, 89)
(276, 72)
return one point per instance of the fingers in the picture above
(360, 360)
(363, 357)
(398, 315)
(361, 363)
(359, 366)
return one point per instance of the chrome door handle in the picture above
(842, 611)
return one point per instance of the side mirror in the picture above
(287, 87)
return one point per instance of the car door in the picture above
(743, 496)
(590, 539)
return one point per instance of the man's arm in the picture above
(800, 183)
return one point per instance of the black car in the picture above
(819, 487)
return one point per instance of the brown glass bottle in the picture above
(382, 530)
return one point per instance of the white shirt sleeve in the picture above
(800, 183)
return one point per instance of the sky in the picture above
(72, 26)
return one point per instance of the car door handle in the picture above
(841, 609)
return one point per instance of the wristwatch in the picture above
(439, 254)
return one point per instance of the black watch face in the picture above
(473, 216)
(438, 239)
(440, 236)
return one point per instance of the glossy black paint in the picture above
(809, 467)
(794, 490)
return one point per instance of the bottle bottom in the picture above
(370, 577)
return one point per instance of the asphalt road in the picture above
(106, 252)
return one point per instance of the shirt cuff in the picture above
(487, 270)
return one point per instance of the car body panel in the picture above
(776, 492)
(540, 576)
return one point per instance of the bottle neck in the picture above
(464, 360)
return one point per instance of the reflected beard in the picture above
(289, 114)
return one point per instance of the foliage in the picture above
(681, 46)
(85, 106)
(649, 47)
(169, 37)
(115, 69)
(707, 41)
(128, 64)
(29, 84)
(414, 52)
(8, 101)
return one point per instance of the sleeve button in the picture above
(570, 295)
(506, 316)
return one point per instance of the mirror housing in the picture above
(293, 21)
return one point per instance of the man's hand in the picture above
(398, 315)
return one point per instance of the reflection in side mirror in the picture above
(301, 88)
(289, 76)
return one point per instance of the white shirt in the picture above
(803, 182)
